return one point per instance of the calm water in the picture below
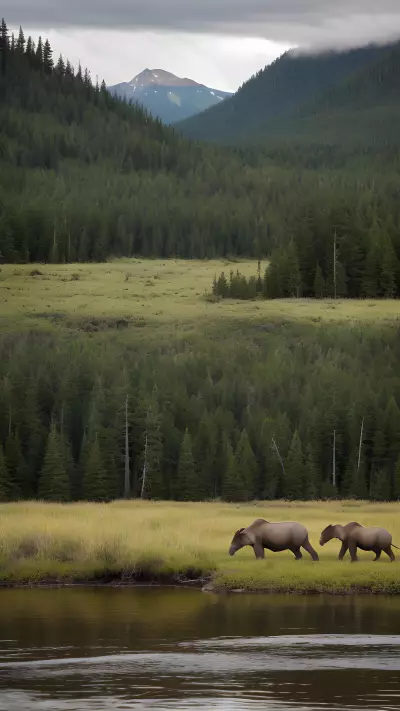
(107, 649)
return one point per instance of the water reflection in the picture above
(76, 649)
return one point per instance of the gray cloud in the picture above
(300, 22)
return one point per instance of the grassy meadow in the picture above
(173, 542)
(155, 293)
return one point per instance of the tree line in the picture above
(285, 412)
(369, 268)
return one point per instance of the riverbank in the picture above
(131, 543)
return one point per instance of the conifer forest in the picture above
(202, 408)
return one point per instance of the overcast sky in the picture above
(217, 42)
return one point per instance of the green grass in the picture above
(167, 542)
(151, 294)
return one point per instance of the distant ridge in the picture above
(277, 99)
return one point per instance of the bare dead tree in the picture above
(127, 482)
(275, 446)
(144, 472)
(360, 445)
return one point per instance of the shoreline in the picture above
(206, 585)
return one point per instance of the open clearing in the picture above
(170, 292)
(135, 540)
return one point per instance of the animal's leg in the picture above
(343, 550)
(259, 550)
(297, 553)
(308, 547)
(353, 551)
(390, 553)
(378, 553)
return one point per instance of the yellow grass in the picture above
(161, 292)
(167, 541)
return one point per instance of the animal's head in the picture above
(327, 534)
(239, 540)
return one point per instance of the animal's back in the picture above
(283, 532)
(372, 536)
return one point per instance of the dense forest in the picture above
(84, 176)
(252, 412)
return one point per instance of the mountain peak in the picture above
(160, 77)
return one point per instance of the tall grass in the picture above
(172, 541)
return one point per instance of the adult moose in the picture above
(275, 537)
(354, 536)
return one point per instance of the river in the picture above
(105, 649)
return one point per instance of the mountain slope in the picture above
(278, 91)
(167, 96)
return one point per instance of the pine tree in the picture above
(319, 283)
(150, 458)
(311, 478)
(204, 449)
(291, 276)
(246, 464)
(294, 467)
(388, 269)
(16, 466)
(186, 486)
(60, 66)
(380, 485)
(30, 52)
(48, 57)
(4, 45)
(39, 53)
(20, 46)
(234, 488)
(4, 478)
(95, 485)
(54, 484)
(396, 482)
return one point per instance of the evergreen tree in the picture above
(311, 478)
(294, 467)
(186, 483)
(54, 484)
(396, 483)
(246, 465)
(380, 485)
(95, 485)
(20, 46)
(319, 283)
(234, 488)
(4, 478)
(60, 66)
(16, 466)
(388, 270)
(39, 54)
(48, 57)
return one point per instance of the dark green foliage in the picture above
(294, 468)
(96, 485)
(186, 484)
(4, 477)
(237, 394)
(234, 484)
(54, 482)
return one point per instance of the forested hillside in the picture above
(311, 97)
(84, 176)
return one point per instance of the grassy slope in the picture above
(152, 540)
(157, 294)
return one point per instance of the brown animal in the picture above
(274, 537)
(354, 536)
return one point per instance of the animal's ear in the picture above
(240, 530)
